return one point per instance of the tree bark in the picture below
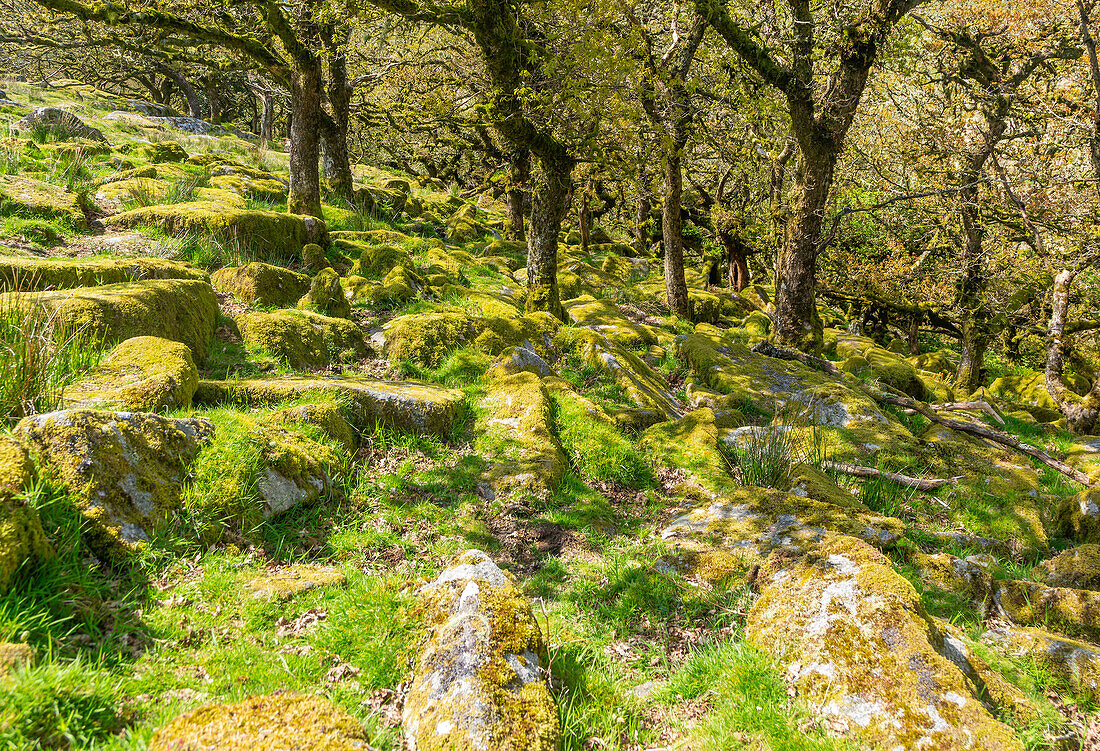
(305, 180)
(194, 102)
(672, 229)
(334, 130)
(267, 118)
(549, 202)
(583, 219)
(641, 221)
(515, 197)
(1081, 413)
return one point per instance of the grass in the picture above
(598, 450)
(39, 357)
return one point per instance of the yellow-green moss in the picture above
(262, 188)
(14, 656)
(301, 338)
(261, 284)
(327, 417)
(517, 441)
(426, 338)
(177, 309)
(404, 405)
(1075, 662)
(1072, 611)
(284, 583)
(606, 318)
(1077, 567)
(264, 723)
(163, 151)
(373, 261)
(23, 196)
(37, 274)
(142, 374)
(264, 232)
(326, 295)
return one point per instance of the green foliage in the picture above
(764, 458)
(597, 448)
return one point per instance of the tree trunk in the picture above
(973, 343)
(267, 118)
(194, 103)
(305, 181)
(582, 221)
(738, 260)
(797, 323)
(549, 202)
(520, 176)
(334, 130)
(912, 335)
(212, 100)
(641, 222)
(1081, 413)
(672, 233)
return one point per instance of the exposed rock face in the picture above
(177, 309)
(262, 723)
(63, 125)
(22, 540)
(124, 467)
(261, 284)
(405, 405)
(143, 374)
(1078, 517)
(857, 643)
(524, 455)
(478, 682)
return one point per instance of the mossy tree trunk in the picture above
(672, 229)
(267, 118)
(1081, 413)
(305, 126)
(821, 115)
(641, 220)
(194, 102)
(334, 130)
(549, 203)
(520, 176)
(584, 217)
(738, 258)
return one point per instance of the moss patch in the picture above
(302, 339)
(143, 374)
(261, 284)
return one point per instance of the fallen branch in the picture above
(993, 435)
(768, 349)
(966, 407)
(909, 482)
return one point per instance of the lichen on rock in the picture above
(284, 583)
(478, 682)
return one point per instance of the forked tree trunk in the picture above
(305, 181)
(549, 202)
(1081, 412)
(672, 232)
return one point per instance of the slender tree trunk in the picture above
(305, 125)
(641, 221)
(583, 220)
(797, 323)
(194, 102)
(212, 100)
(267, 118)
(520, 176)
(975, 334)
(672, 233)
(334, 130)
(1081, 412)
(912, 335)
(549, 202)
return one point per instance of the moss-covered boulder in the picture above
(399, 285)
(124, 468)
(605, 317)
(478, 682)
(1075, 662)
(313, 256)
(326, 295)
(374, 261)
(329, 418)
(859, 647)
(294, 470)
(143, 374)
(181, 310)
(261, 188)
(523, 454)
(1027, 390)
(301, 338)
(60, 123)
(261, 284)
(268, 234)
(1078, 517)
(1078, 568)
(953, 574)
(23, 196)
(1075, 612)
(404, 405)
(758, 324)
(22, 540)
(520, 360)
(264, 723)
(162, 152)
(38, 274)
(426, 338)
(690, 446)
